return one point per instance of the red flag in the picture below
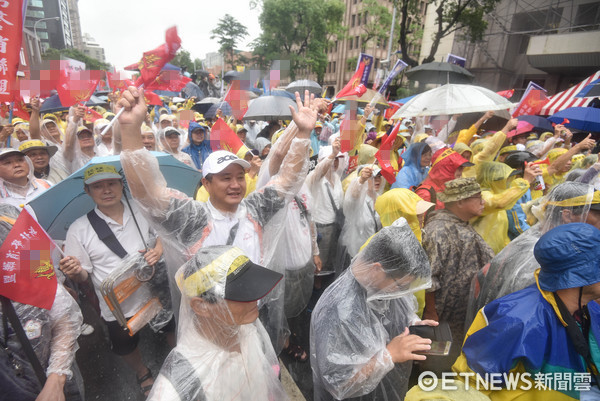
(118, 81)
(237, 99)
(27, 272)
(354, 87)
(152, 98)
(11, 31)
(78, 88)
(20, 109)
(92, 115)
(564, 121)
(384, 155)
(154, 60)
(532, 103)
(171, 81)
(223, 138)
(507, 93)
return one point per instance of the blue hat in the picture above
(569, 256)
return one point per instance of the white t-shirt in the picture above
(99, 261)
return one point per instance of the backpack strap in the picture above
(187, 385)
(105, 234)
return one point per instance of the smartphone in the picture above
(440, 336)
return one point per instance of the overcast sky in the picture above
(127, 28)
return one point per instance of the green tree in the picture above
(377, 25)
(90, 63)
(228, 32)
(451, 15)
(183, 59)
(299, 31)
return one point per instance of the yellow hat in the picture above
(319, 124)
(37, 144)
(101, 122)
(50, 116)
(100, 172)
(83, 128)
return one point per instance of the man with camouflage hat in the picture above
(456, 253)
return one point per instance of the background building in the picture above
(76, 24)
(52, 33)
(555, 43)
(91, 48)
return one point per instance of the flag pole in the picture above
(112, 122)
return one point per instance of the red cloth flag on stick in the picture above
(507, 93)
(237, 99)
(152, 98)
(27, 271)
(154, 60)
(223, 138)
(78, 88)
(531, 104)
(354, 87)
(11, 27)
(118, 81)
(20, 109)
(384, 155)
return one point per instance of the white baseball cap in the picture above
(219, 160)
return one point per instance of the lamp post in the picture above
(35, 28)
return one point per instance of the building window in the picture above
(365, 16)
(356, 41)
(353, 19)
(36, 3)
(350, 43)
(588, 17)
(358, 19)
(336, 43)
(334, 65)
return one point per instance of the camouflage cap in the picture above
(459, 189)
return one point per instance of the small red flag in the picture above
(223, 138)
(384, 155)
(20, 109)
(154, 60)
(238, 99)
(507, 93)
(28, 274)
(152, 98)
(354, 87)
(532, 103)
(77, 88)
(118, 81)
(92, 115)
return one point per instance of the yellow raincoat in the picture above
(498, 197)
(487, 153)
(366, 155)
(396, 203)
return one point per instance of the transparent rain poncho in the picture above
(513, 268)
(58, 159)
(223, 352)
(176, 153)
(185, 225)
(361, 312)
(498, 197)
(361, 219)
(52, 333)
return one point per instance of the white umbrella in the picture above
(453, 99)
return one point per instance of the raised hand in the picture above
(134, 107)
(306, 116)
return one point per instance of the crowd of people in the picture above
(493, 234)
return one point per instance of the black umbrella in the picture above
(302, 85)
(201, 73)
(52, 105)
(230, 75)
(212, 111)
(440, 73)
(203, 105)
(193, 90)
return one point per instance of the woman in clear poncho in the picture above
(170, 142)
(512, 269)
(360, 349)
(223, 352)
(359, 210)
(417, 159)
(498, 196)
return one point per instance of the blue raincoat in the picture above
(412, 174)
(199, 153)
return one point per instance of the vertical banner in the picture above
(398, 67)
(11, 36)
(368, 62)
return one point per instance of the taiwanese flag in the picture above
(118, 81)
(507, 93)
(354, 87)
(238, 99)
(384, 155)
(152, 98)
(154, 60)
(77, 88)
(92, 115)
(223, 138)
(26, 255)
